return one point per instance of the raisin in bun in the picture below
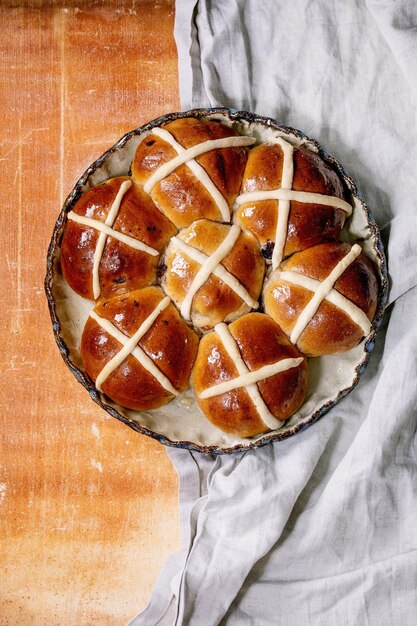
(290, 199)
(214, 273)
(113, 239)
(138, 350)
(324, 298)
(247, 377)
(205, 186)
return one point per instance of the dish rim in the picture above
(76, 192)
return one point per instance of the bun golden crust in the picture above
(180, 195)
(309, 223)
(122, 268)
(261, 342)
(121, 237)
(169, 343)
(331, 330)
(215, 301)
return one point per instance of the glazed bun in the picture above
(227, 225)
(261, 378)
(113, 239)
(214, 273)
(150, 369)
(204, 187)
(312, 208)
(324, 298)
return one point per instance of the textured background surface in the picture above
(88, 508)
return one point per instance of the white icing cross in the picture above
(334, 296)
(324, 291)
(248, 379)
(283, 205)
(284, 195)
(188, 156)
(130, 347)
(212, 265)
(105, 229)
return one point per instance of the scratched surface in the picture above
(88, 508)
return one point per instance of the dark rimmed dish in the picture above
(194, 432)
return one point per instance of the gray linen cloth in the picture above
(322, 528)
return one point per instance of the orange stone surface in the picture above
(88, 507)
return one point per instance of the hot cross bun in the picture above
(113, 239)
(247, 377)
(257, 265)
(192, 169)
(290, 199)
(324, 298)
(214, 273)
(138, 350)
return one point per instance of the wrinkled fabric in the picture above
(321, 528)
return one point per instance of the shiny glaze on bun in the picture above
(215, 301)
(181, 196)
(122, 268)
(309, 224)
(170, 343)
(331, 330)
(261, 342)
